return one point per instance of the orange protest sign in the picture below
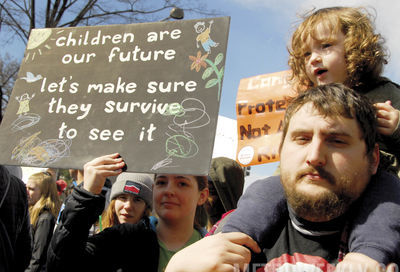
(260, 107)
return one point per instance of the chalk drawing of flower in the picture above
(212, 69)
(198, 61)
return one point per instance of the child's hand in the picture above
(97, 170)
(358, 262)
(388, 118)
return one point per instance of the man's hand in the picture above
(357, 262)
(388, 118)
(97, 170)
(218, 253)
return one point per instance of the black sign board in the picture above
(149, 91)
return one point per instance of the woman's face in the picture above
(129, 208)
(33, 192)
(176, 196)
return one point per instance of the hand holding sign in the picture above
(96, 171)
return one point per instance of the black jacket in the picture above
(129, 247)
(15, 240)
(41, 235)
(388, 145)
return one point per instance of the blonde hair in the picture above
(49, 199)
(109, 217)
(365, 54)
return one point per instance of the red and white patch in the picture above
(131, 188)
(298, 263)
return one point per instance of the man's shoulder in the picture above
(265, 181)
(384, 180)
(381, 195)
(269, 183)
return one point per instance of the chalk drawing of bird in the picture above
(31, 77)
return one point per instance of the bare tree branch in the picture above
(32, 8)
(24, 9)
(117, 12)
(8, 73)
(81, 14)
(63, 9)
(14, 24)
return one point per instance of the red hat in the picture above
(61, 185)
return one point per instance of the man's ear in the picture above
(203, 196)
(375, 160)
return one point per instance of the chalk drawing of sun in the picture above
(37, 42)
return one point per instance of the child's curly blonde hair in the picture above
(365, 53)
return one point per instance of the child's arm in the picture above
(388, 118)
(260, 212)
(359, 262)
(375, 230)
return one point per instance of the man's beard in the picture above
(324, 206)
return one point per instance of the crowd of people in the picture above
(336, 188)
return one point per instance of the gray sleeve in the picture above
(375, 230)
(261, 212)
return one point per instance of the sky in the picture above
(259, 34)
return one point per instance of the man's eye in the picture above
(301, 139)
(337, 141)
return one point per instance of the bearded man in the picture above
(334, 197)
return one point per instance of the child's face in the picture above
(324, 60)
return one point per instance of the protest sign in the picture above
(149, 91)
(260, 107)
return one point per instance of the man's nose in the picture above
(316, 153)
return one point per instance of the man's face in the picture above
(324, 165)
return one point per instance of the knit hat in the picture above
(61, 185)
(136, 184)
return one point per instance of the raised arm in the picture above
(82, 208)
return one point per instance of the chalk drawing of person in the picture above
(204, 36)
(24, 103)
